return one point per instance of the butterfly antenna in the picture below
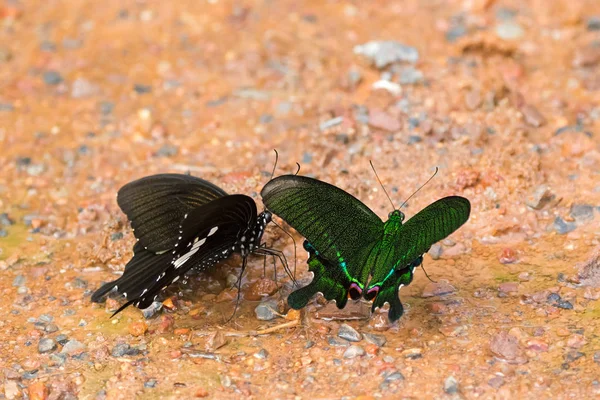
(298, 170)
(427, 274)
(381, 184)
(295, 254)
(275, 165)
(421, 187)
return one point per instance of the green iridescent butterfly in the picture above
(352, 252)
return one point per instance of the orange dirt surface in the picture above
(502, 96)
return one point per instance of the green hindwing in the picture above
(388, 292)
(325, 281)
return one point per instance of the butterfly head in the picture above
(396, 215)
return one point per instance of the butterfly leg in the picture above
(239, 288)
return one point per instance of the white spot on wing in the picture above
(213, 230)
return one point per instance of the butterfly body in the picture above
(352, 252)
(181, 223)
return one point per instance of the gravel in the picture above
(266, 311)
(46, 345)
(349, 333)
(384, 53)
(52, 78)
(451, 385)
(353, 352)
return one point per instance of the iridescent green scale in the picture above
(352, 252)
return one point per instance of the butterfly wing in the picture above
(432, 224)
(340, 230)
(156, 204)
(414, 238)
(208, 234)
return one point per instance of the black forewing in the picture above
(156, 205)
(143, 264)
(231, 215)
(336, 223)
(432, 224)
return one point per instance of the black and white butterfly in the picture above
(182, 222)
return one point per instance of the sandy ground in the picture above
(502, 96)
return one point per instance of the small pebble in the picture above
(262, 354)
(451, 385)
(349, 333)
(573, 355)
(378, 340)
(509, 287)
(62, 339)
(73, 347)
(50, 328)
(335, 342)
(46, 345)
(150, 383)
(384, 53)
(413, 354)
(532, 116)
(541, 197)
(19, 281)
(436, 251)
(116, 236)
(564, 304)
(582, 212)
(496, 382)
(509, 30)
(505, 346)
(593, 23)
(52, 78)
(354, 351)
(152, 310)
(120, 349)
(394, 376)
(410, 76)
(142, 89)
(266, 311)
(562, 227)
(507, 256)
(440, 288)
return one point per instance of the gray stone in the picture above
(46, 345)
(45, 318)
(582, 212)
(410, 76)
(73, 347)
(19, 281)
(262, 354)
(152, 310)
(349, 333)
(384, 53)
(436, 251)
(562, 227)
(167, 150)
(451, 385)
(593, 23)
(52, 78)
(509, 30)
(378, 340)
(354, 351)
(335, 342)
(83, 88)
(120, 350)
(394, 376)
(51, 328)
(266, 311)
